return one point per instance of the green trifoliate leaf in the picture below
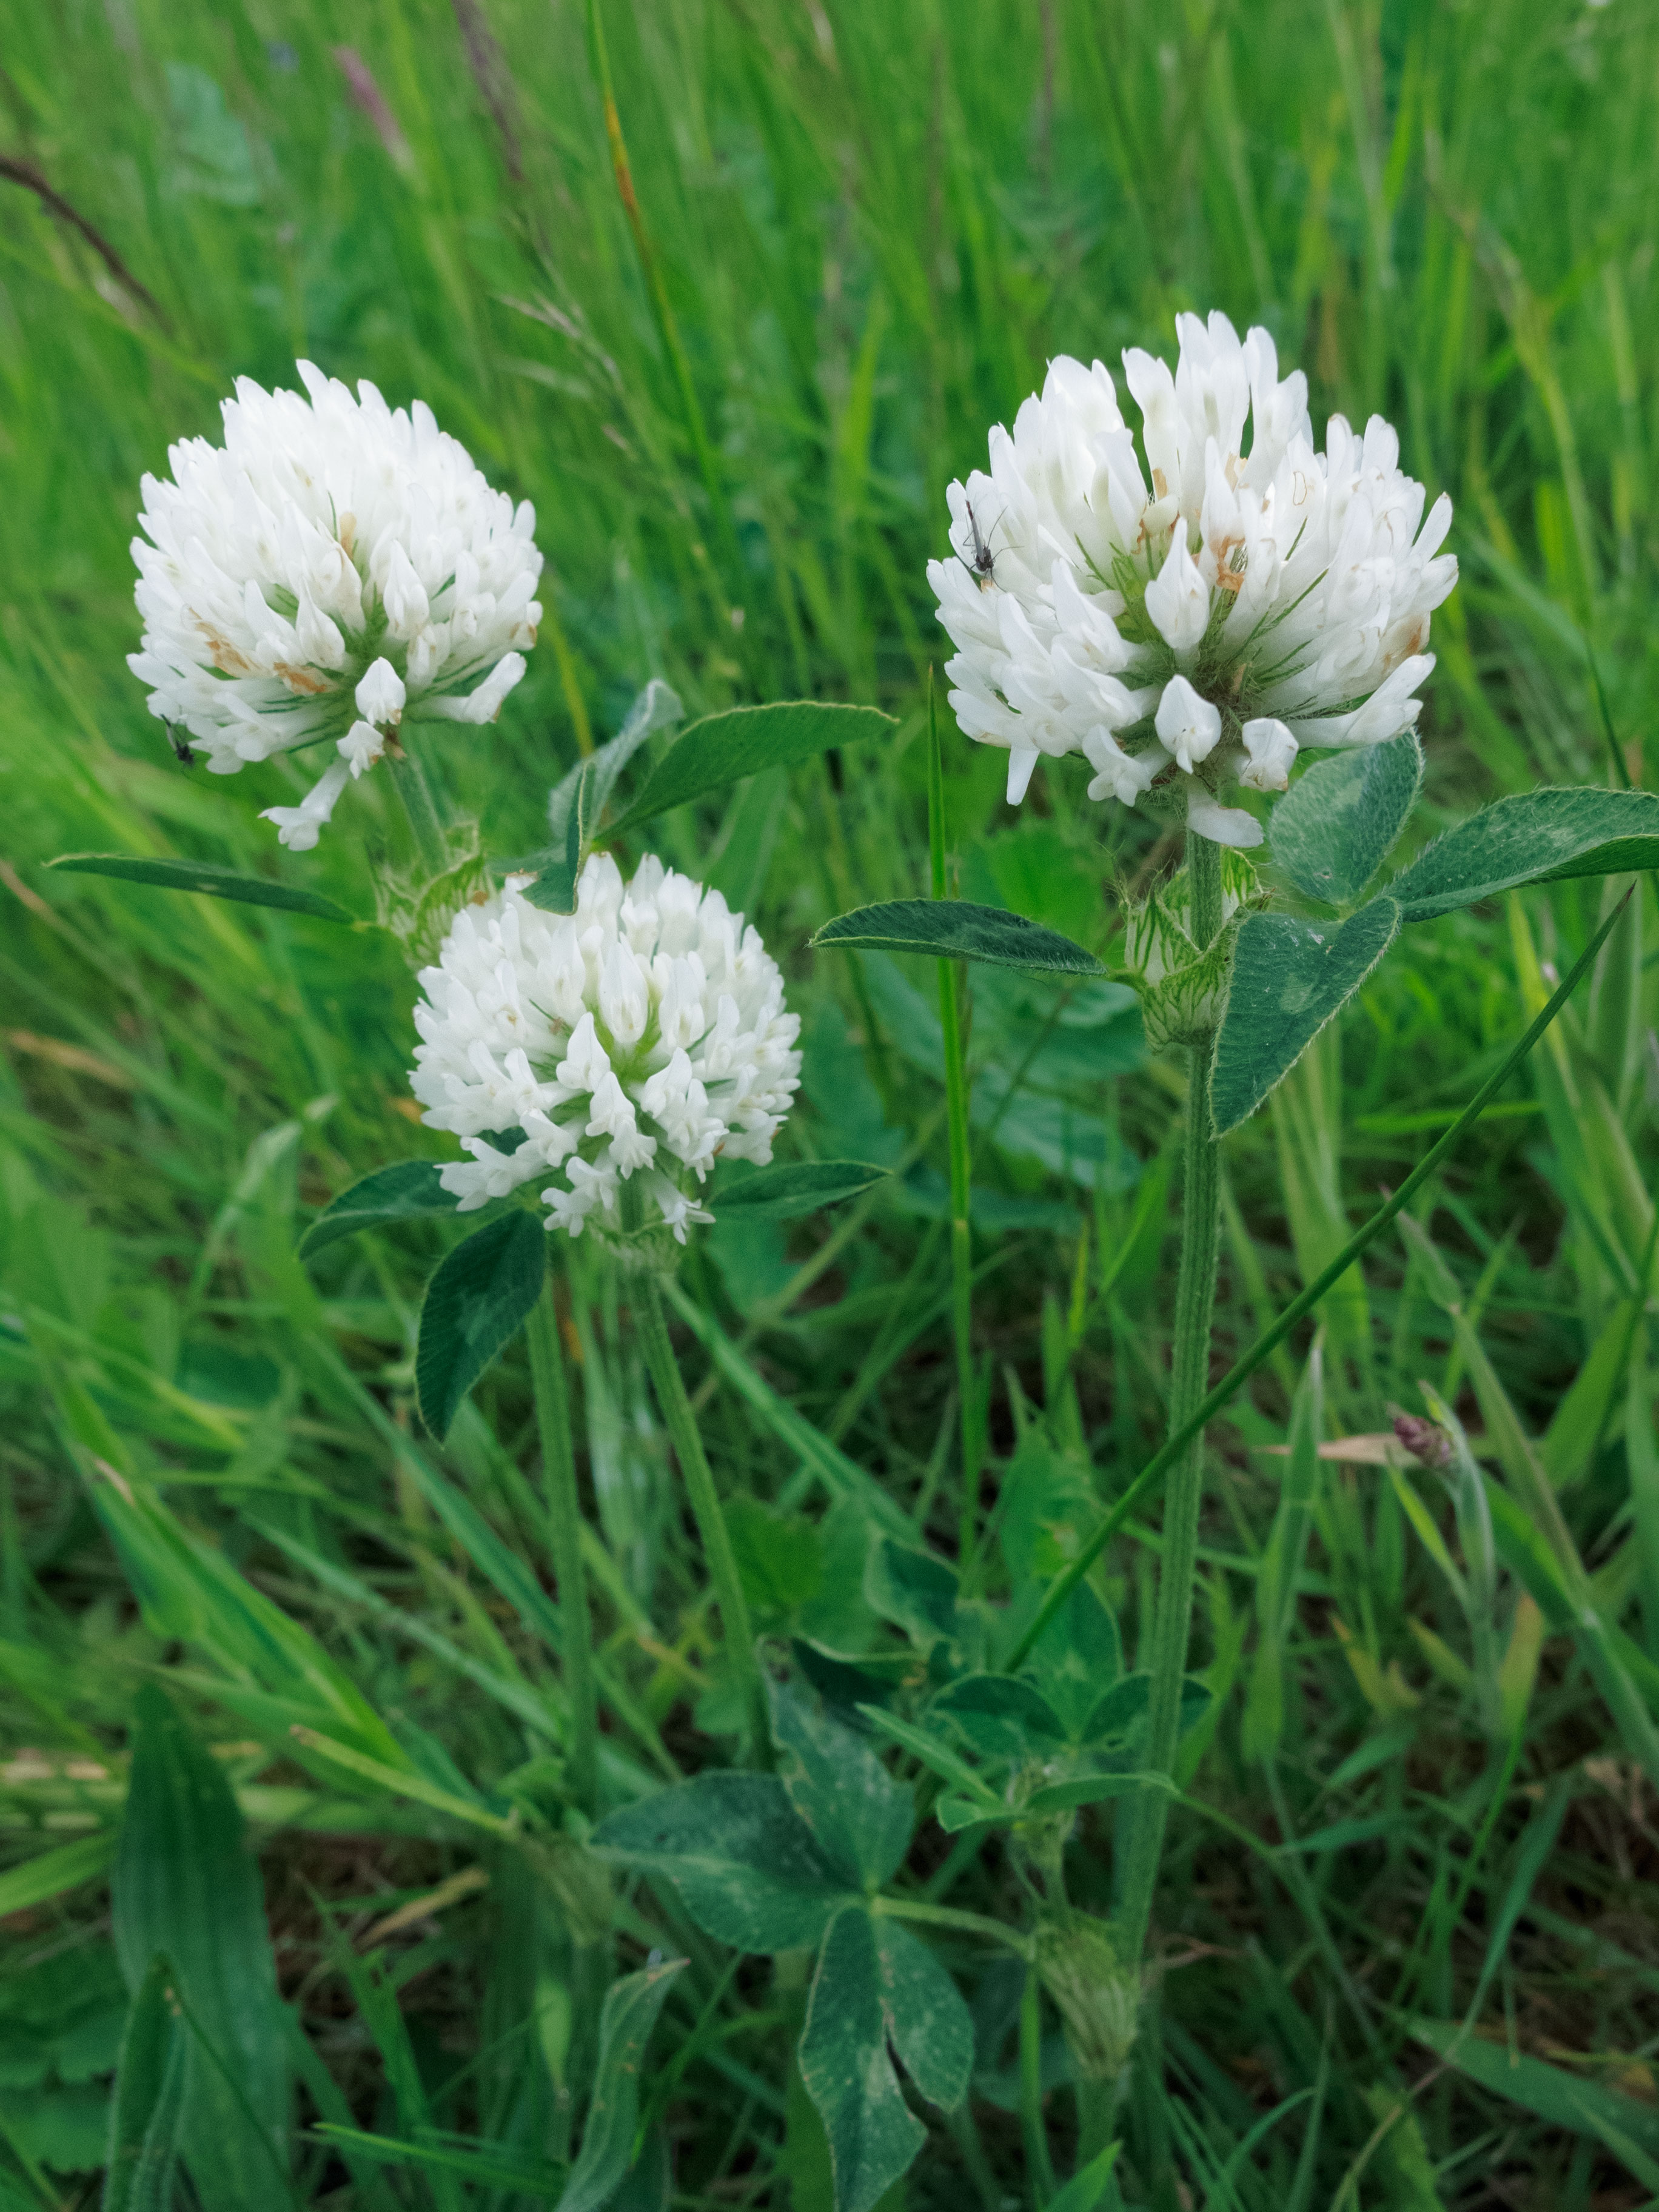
(1336, 826)
(748, 1868)
(1289, 978)
(795, 1187)
(408, 1190)
(955, 929)
(877, 1986)
(722, 749)
(1537, 836)
(861, 1817)
(1002, 1716)
(629, 2015)
(205, 876)
(477, 1300)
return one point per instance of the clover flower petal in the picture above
(1246, 574)
(334, 561)
(645, 1034)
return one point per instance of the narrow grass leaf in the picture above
(54, 1873)
(148, 2106)
(1088, 2185)
(206, 877)
(842, 1477)
(1537, 1842)
(485, 2167)
(1336, 826)
(408, 1190)
(476, 1304)
(631, 2012)
(1281, 1566)
(955, 929)
(743, 741)
(1548, 2092)
(186, 1885)
(1535, 836)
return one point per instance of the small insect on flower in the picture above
(182, 753)
(1160, 610)
(983, 564)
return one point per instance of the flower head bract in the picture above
(1197, 621)
(333, 565)
(643, 1034)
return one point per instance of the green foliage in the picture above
(1288, 978)
(873, 230)
(190, 1931)
(790, 1188)
(631, 2009)
(1534, 836)
(744, 741)
(206, 877)
(408, 1190)
(475, 1305)
(1338, 823)
(148, 2104)
(955, 930)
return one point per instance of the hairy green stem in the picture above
(705, 1511)
(1200, 1232)
(951, 974)
(962, 1259)
(564, 1526)
(947, 1916)
(1039, 2165)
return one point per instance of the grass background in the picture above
(874, 225)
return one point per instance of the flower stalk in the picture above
(721, 1560)
(564, 1522)
(955, 1094)
(1200, 1229)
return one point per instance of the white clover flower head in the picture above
(644, 1036)
(1242, 586)
(335, 563)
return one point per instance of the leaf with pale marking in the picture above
(629, 2015)
(748, 1868)
(1334, 827)
(876, 1986)
(1289, 978)
(1535, 836)
(861, 1818)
